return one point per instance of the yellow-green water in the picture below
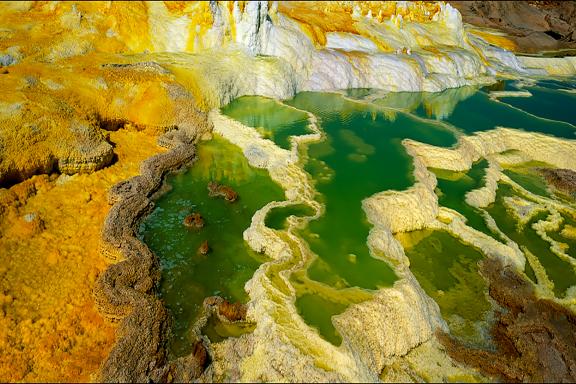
(559, 271)
(447, 270)
(452, 188)
(271, 119)
(360, 154)
(276, 218)
(187, 276)
(566, 235)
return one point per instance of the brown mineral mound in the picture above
(220, 190)
(194, 220)
(535, 338)
(204, 248)
(562, 179)
(533, 25)
(227, 311)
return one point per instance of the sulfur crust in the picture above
(174, 57)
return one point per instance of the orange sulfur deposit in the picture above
(50, 242)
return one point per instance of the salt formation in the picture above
(70, 69)
(369, 329)
(369, 349)
(239, 48)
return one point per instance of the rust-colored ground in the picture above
(535, 338)
(49, 260)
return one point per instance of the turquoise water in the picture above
(546, 103)
(480, 113)
(557, 84)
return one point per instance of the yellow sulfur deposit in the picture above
(50, 242)
(89, 90)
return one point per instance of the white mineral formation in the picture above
(426, 50)
(283, 346)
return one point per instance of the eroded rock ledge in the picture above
(125, 291)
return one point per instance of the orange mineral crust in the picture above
(50, 329)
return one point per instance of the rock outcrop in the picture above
(563, 180)
(220, 190)
(194, 220)
(532, 25)
(126, 290)
(536, 338)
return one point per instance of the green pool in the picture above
(187, 276)
(360, 154)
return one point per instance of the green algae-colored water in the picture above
(187, 276)
(452, 188)
(276, 218)
(559, 271)
(562, 237)
(360, 154)
(317, 311)
(530, 181)
(447, 270)
(273, 120)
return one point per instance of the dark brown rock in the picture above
(232, 311)
(194, 220)
(533, 25)
(125, 291)
(535, 338)
(220, 190)
(564, 180)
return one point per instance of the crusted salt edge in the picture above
(545, 287)
(365, 350)
(405, 301)
(552, 223)
(533, 146)
(272, 340)
(484, 196)
(496, 94)
(563, 66)
(552, 150)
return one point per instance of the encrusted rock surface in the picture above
(562, 179)
(126, 290)
(533, 25)
(536, 338)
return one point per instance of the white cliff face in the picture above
(350, 42)
(264, 48)
(393, 54)
(162, 24)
